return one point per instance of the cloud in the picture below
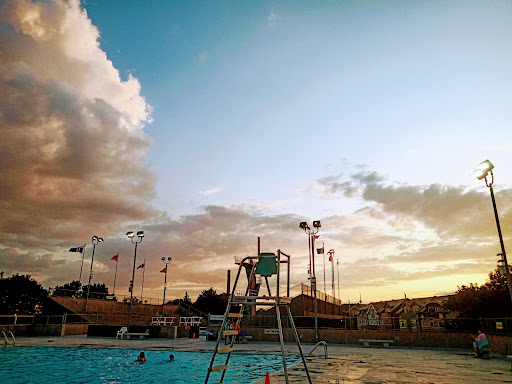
(202, 56)
(73, 150)
(211, 191)
(273, 19)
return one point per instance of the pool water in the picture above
(57, 365)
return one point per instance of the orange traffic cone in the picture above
(267, 379)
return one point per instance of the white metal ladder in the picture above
(240, 301)
(6, 342)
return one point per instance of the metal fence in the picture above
(75, 318)
(78, 294)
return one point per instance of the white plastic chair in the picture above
(121, 332)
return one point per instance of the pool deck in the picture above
(346, 364)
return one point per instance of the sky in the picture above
(210, 124)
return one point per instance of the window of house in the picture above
(403, 324)
(413, 324)
(426, 324)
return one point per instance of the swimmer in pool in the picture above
(171, 358)
(141, 358)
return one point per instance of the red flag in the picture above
(116, 257)
(330, 258)
(337, 261)
(316, 236)
(164, 270)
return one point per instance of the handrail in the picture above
(13, 339)
(5, 337)
(317, 345)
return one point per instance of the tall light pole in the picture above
(166, 262)
(95, 240)
(131, 236)
(331, 259)
(481, 172)
(312, 276)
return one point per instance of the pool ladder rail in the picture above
(6, 342)
(266, 265)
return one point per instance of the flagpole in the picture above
(143, 272)
(333, 286)
(323, 255)
(338, 268)
(115, 276)
(82, 266)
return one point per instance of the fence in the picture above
(48, 319)
(79, 294)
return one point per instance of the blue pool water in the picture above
(68, 365)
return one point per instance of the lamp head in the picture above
(140, 234)
(316, 224)
(169, 258)
(95, 238)
(303, 225)
(483, 169)
(163, 258)
(130, 234)
(100, 239)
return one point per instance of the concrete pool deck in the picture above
(346, 364)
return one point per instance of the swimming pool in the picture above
(58, 365)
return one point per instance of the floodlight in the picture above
(100, 239)
(140, 233)
(169, 258)
(316, 224)
(130, 234)
(483, 169)
(94, 238)
(163, 258)
(303, 225)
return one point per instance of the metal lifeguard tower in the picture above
(263, 266)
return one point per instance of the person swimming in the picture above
(171, 358)
(141, 358)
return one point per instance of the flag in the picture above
(316, 236)
(141, 266)
(164, 270)
(330, 258)
(115, 257)
(320, 250)
(337, 261)
(77, 249)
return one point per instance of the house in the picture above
(404, 314)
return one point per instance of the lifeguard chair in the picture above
(263, 266)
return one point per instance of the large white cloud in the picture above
(73, 150)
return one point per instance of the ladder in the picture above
(264, 265)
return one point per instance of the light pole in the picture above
(331, 259)
(131, 236)
(312, 276)
(481, 172)
(95, 240)
(166, 262)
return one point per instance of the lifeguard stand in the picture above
(264, 266)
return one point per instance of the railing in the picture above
(190, 321)
(6, 342)
(303, 289)
(324, 344)
(75, 318)
(163, 320)
(192, 309)
(78, 294)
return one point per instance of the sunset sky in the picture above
(209, 123)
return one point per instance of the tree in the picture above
(210, 302)
(492, 299)
(72, 289)
(97, 291)
(22, 295)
